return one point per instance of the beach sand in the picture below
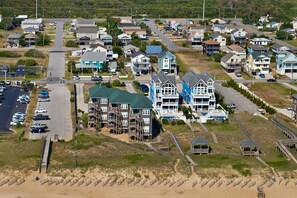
(31, 188)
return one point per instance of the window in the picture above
(124, 106)
(125, 122)
(104, 109)
(146, 129)
(103, 101)
(146, 120)
(145, 112)
(104, 117)
(125, 114)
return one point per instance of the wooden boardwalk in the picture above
(45, 155)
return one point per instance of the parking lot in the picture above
(59, 112)
(232, 96)
(9, 106)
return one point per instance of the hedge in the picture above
(34, 54)
(9, 54)
(27, 62)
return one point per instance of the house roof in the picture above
(248, 143)
(166, 52)
(163, 78)
(258, 48)
(227, 57)
(199, 140)
(192, 78)
(234, 47)
(87, 29)
(105, 36)
(153, 49)
(137, 101)
(294, 96)
(260, 39)
(30, 35)
(137, 54)
(211, 42)
(215, 35)
(94, 56)
(30, 29)
(278, 46)
(121, 36)
(85, 22)
(256, 55)
(220, 26)
(14, 36)
(130, 47)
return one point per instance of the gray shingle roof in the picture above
(164, 52)
(192, 78)
(199, 140)
(14, 36)
(94, 56)
(87, 29)
(163, 78)
(227, 57)
(248, 142)
(117, 96)
(214, 35)
(255, 55)
(258, 47)
(136, 54)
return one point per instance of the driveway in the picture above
(56, 65)
(232, 96)
(80, 97)
(59, 111)
(9, 107)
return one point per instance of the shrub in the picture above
(116, 83)
(9, 54)
(34, 53)
(173, 122)
(117, 50)
(71, 99)
(136, 83)
(164, 121)
(71, 43)
(27, 62)
(84, 119)
(180, 122)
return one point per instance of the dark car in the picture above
(38, 130)
(43, 92)
(96, 78)
(271, 80)
(2, 83)
(41, 117)
(144, 88)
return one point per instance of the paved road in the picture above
(56, 65)
(59, 111)
(253, 30)
(130, 88)
(9, 106)
(170, 45)
(232, 96)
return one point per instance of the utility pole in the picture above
(203, 10)
(36, 9)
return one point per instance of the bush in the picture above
(173, 122)
(164, 121)
(34, 53)
(27, 62)
(117, 83)
(9, 54)
(117, 50)
(217, 57)
(84, 119)
(42, 40)
(71, 43)
(72, 99)
(180, 122)
(136, 83)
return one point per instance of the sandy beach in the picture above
(140, 187)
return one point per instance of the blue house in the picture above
(286, 62)
(167, 62)
(198, 91)
(152, 50)
(106, 38)
(92, 60)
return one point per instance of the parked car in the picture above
(262, 75)
(144, 88)
(290, 108)
(40, 110)
(96, 78)
(76, 78)
(38, 130)
(238, 74)
(2, 83)
(40, 117)
(231, 106)
(38, 125)
(43, 92)
(8, 82)
(14, 123)
(271, 80)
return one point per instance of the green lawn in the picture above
(22, 155)
(96, 150)
(293, 42)
(275, 94)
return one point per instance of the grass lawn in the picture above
(275, 94)
(199, 63)
(292, 42)
(97, 150)
(22, 155)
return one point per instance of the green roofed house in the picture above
(120, 112)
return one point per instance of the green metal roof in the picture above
(137, 101)
(199, 140)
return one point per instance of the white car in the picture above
(40, 110)
(14, 123)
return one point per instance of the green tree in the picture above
(117, 50)
(71, 43)
(42, 40)
(228, 40)
(282, 35)
(22, 41)
(105, 68)
(71, 66)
